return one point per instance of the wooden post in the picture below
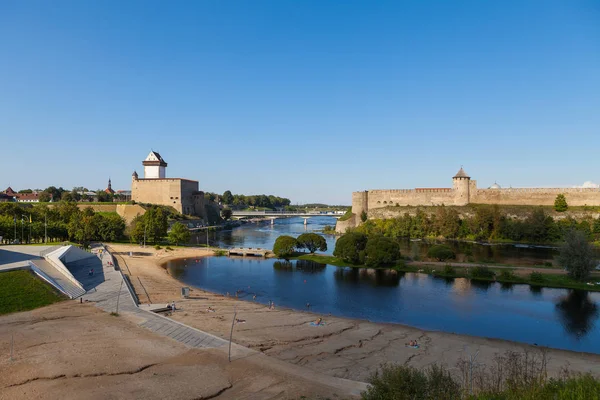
(231, 333)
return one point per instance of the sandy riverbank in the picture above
(76, 351)
(345, 348)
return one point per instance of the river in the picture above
(558, 318)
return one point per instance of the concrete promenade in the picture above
(112, 289)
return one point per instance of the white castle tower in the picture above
(154, 166)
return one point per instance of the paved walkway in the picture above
(113, 290)
(17, 256)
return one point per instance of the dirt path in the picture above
(345, 348)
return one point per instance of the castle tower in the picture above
(134, 176)
(154, 166)
(460, 183)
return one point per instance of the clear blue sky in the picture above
(305, 99)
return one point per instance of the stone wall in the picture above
(536, 196)
(174, 192)
(341, 226)
(409, 197)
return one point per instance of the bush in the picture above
(220, 253)
(312, 242)
(157, 247)
(507, 275)
(441, 252)
(284, 246)
(349, 247)
(482, 272)
(381, 251)
(536, 277)
(363, 216)
(400, 382)
(449, 270)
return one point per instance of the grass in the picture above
(23, 291)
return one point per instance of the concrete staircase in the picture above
(65, 285)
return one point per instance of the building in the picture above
(464, 191)
(21, 197)
(109, 189)
(155, 188)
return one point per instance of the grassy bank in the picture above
(482, 273)
(22, 291)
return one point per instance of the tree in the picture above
(226, 213)
(44, 197)
(312, 242)
(104, 197)
(381, 251)
(179, 233)
(83, 226)
(440, 252)
(560, 204)
(350, 247)
(110, 227)
(227, 197)
(284, 246)
(576, 255)
(363, 216)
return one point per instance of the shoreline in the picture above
(346, 347)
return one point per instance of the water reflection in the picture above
(578, 313)
(304, 266)
(484, 285)
(374, 277)
(536, 290)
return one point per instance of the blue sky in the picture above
(305, 99)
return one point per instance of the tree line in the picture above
(52, 193)
(488, 223)
(64, 221)
(245, 201)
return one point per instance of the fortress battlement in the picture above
(464, 191)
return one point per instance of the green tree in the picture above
(312, 242)
(83, 227)
(104, 197)
(227, 197)
(110, 227)
(576, 255)
(44, 197)
(381, 251)
(364, 216)
(179, 233)
(284, 246)
(440, 252)
(226, 213)
(350, 247)
(560, 203)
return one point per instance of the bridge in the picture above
(273, 215)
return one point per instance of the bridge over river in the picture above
(273, 215)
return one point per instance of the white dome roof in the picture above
(495, 186)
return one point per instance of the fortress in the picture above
(464, 191)
(155, 188)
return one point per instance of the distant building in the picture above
(109, 189)
(155, 188)
(22, 197)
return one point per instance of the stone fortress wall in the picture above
(465, 191)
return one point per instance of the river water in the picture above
(558, 318)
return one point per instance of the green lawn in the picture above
(22, 291)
